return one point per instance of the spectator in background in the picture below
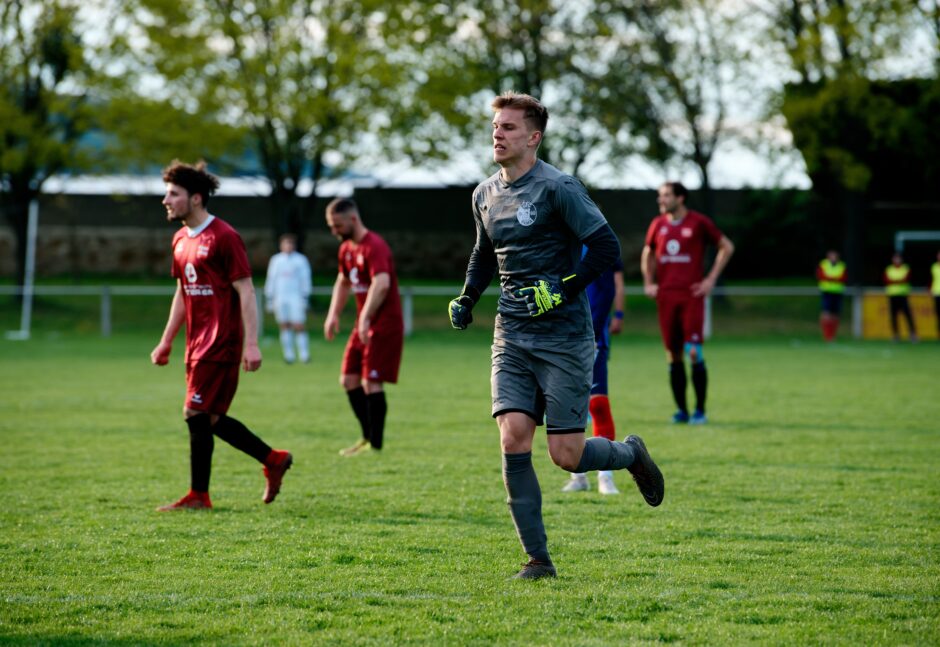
(897, 278)
(830, 273)
(287, 289)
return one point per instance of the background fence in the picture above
(730, 311)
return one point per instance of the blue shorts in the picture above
(832, 302)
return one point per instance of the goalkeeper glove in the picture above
(542, 297)
(459, 310)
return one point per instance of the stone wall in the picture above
(430, 232)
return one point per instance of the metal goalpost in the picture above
(27, 289)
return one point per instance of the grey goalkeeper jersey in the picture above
(534, 227)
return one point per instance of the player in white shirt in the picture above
(287, 289)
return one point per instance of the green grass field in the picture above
(807, 512)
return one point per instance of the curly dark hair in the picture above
(192, 177)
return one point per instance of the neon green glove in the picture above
(542, 297)
(459, 311)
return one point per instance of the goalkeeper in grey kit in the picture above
(531, 221)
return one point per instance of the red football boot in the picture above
(192, 501)
(278, 462)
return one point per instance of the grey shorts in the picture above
(543, 378)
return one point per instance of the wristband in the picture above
(618, 314)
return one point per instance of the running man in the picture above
(531, 222)
(216, 300)
(672, 266)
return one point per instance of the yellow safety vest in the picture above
(935, 285)
(899, 276)
(831, 282)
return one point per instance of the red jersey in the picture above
(206, 263)
(680, 248)
(361, 261)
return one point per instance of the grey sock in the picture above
(525, 504)
(602, 454)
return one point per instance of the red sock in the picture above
(599, 407)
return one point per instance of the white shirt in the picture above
(288, 277)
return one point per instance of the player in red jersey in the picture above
(373, 351)
(216, 300)
(672, 266)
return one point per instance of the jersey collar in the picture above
(192, 233)
(522, 179)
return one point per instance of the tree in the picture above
(545, 48)
(43, 108)
(864, 131)
(312, 84)
(688, 62)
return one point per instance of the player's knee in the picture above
(511, 444)
(566, 460)
(694, 351)
(565, 449)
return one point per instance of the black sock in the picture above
(678, 382)
(200, 451)
(700, 384)
(377, 410)
(525, 504)
(602, 454)
(238, 436)
(360, 407)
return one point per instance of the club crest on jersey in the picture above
(202, 251)
(686, 232)
(526, 214)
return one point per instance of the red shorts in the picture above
(211, 386)
(379, 360)
(681, 319)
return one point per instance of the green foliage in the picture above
(40, 116)
(806, 512)
(866, 135)
(309, 84)
(831, 39)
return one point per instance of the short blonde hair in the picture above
(536, 115)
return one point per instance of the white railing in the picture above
(408, 293)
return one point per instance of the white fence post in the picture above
(28, 288)
(858, 298)
(408, 309)
(707, 326)
(105, 310)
